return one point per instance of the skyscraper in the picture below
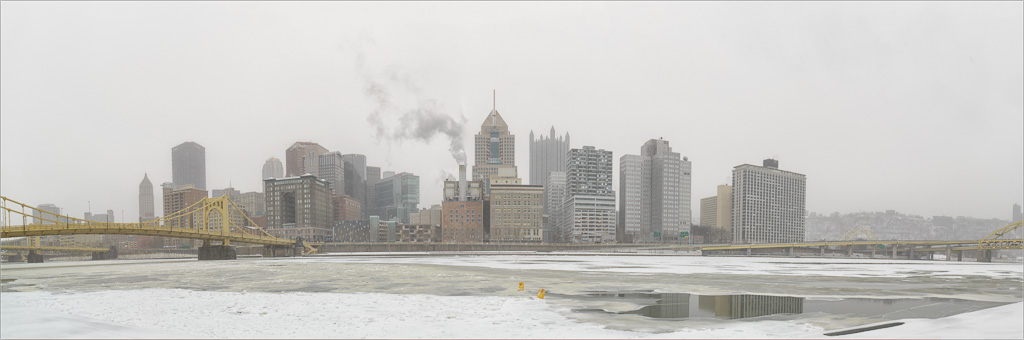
(588, 210)
(495, 148)
(554, 194)
(397, 196)
(146, 205)
(273, 168)
(188, 165)
(655, 194)
(370, 206)
(767, 204)
(332, 170)
(355, 177)
(303, 158)
(547, 154)
(1016, 213)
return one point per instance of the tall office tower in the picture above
(332, 170)
(303, 158)
(516, 210)
(177, 198)
(547, 154)
(146, 207)
(370, 206)
(655, 196)
(272, 168)
(355, 177)
(767, 204)
(299, 207)
(554, 194)
(495, 149)
(188, 165)
(462, 210)
(1016, 213)
(397, 196)
(588, 210)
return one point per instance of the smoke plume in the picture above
(421, 123)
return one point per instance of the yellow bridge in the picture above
(211, 219)
(993, 241)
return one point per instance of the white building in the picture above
(655, 194)
(768, 204)
(588, 209)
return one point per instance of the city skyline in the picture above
(913, 141)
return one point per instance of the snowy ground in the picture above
(426, 296)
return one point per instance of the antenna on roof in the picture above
(494, 99)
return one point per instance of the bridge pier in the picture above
(822, 249)
(873, 250)
(849, 251)
(789, 251)
(748, 251)
(279, 251)
(893, 252)
(34, 257)
(15, 258)
(217, 252)
(984, 255)
(949, 253)
(106, 255)
(960, 255)
(910, 253)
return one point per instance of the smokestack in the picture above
(462, 183)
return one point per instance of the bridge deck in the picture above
(137, 229)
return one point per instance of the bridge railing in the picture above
(185, 223)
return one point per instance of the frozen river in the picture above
(416, 295)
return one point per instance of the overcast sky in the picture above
(913, 106)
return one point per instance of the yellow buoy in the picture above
(521, 286)
(540, 294)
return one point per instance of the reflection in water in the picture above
(678, 306)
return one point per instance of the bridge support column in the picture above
(960, 255)
(893, 251)
(278, 251)
(15, 258)
(106, 255)
(789, 251)
(873, 250)
(849, 251)
(984, 255)
(949, 253)
(822, 249)
(748, 252)
(34, 257)
(218, 252)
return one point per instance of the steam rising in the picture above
(418, 124)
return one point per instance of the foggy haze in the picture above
(911, 106)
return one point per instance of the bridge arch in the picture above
(995, 240)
